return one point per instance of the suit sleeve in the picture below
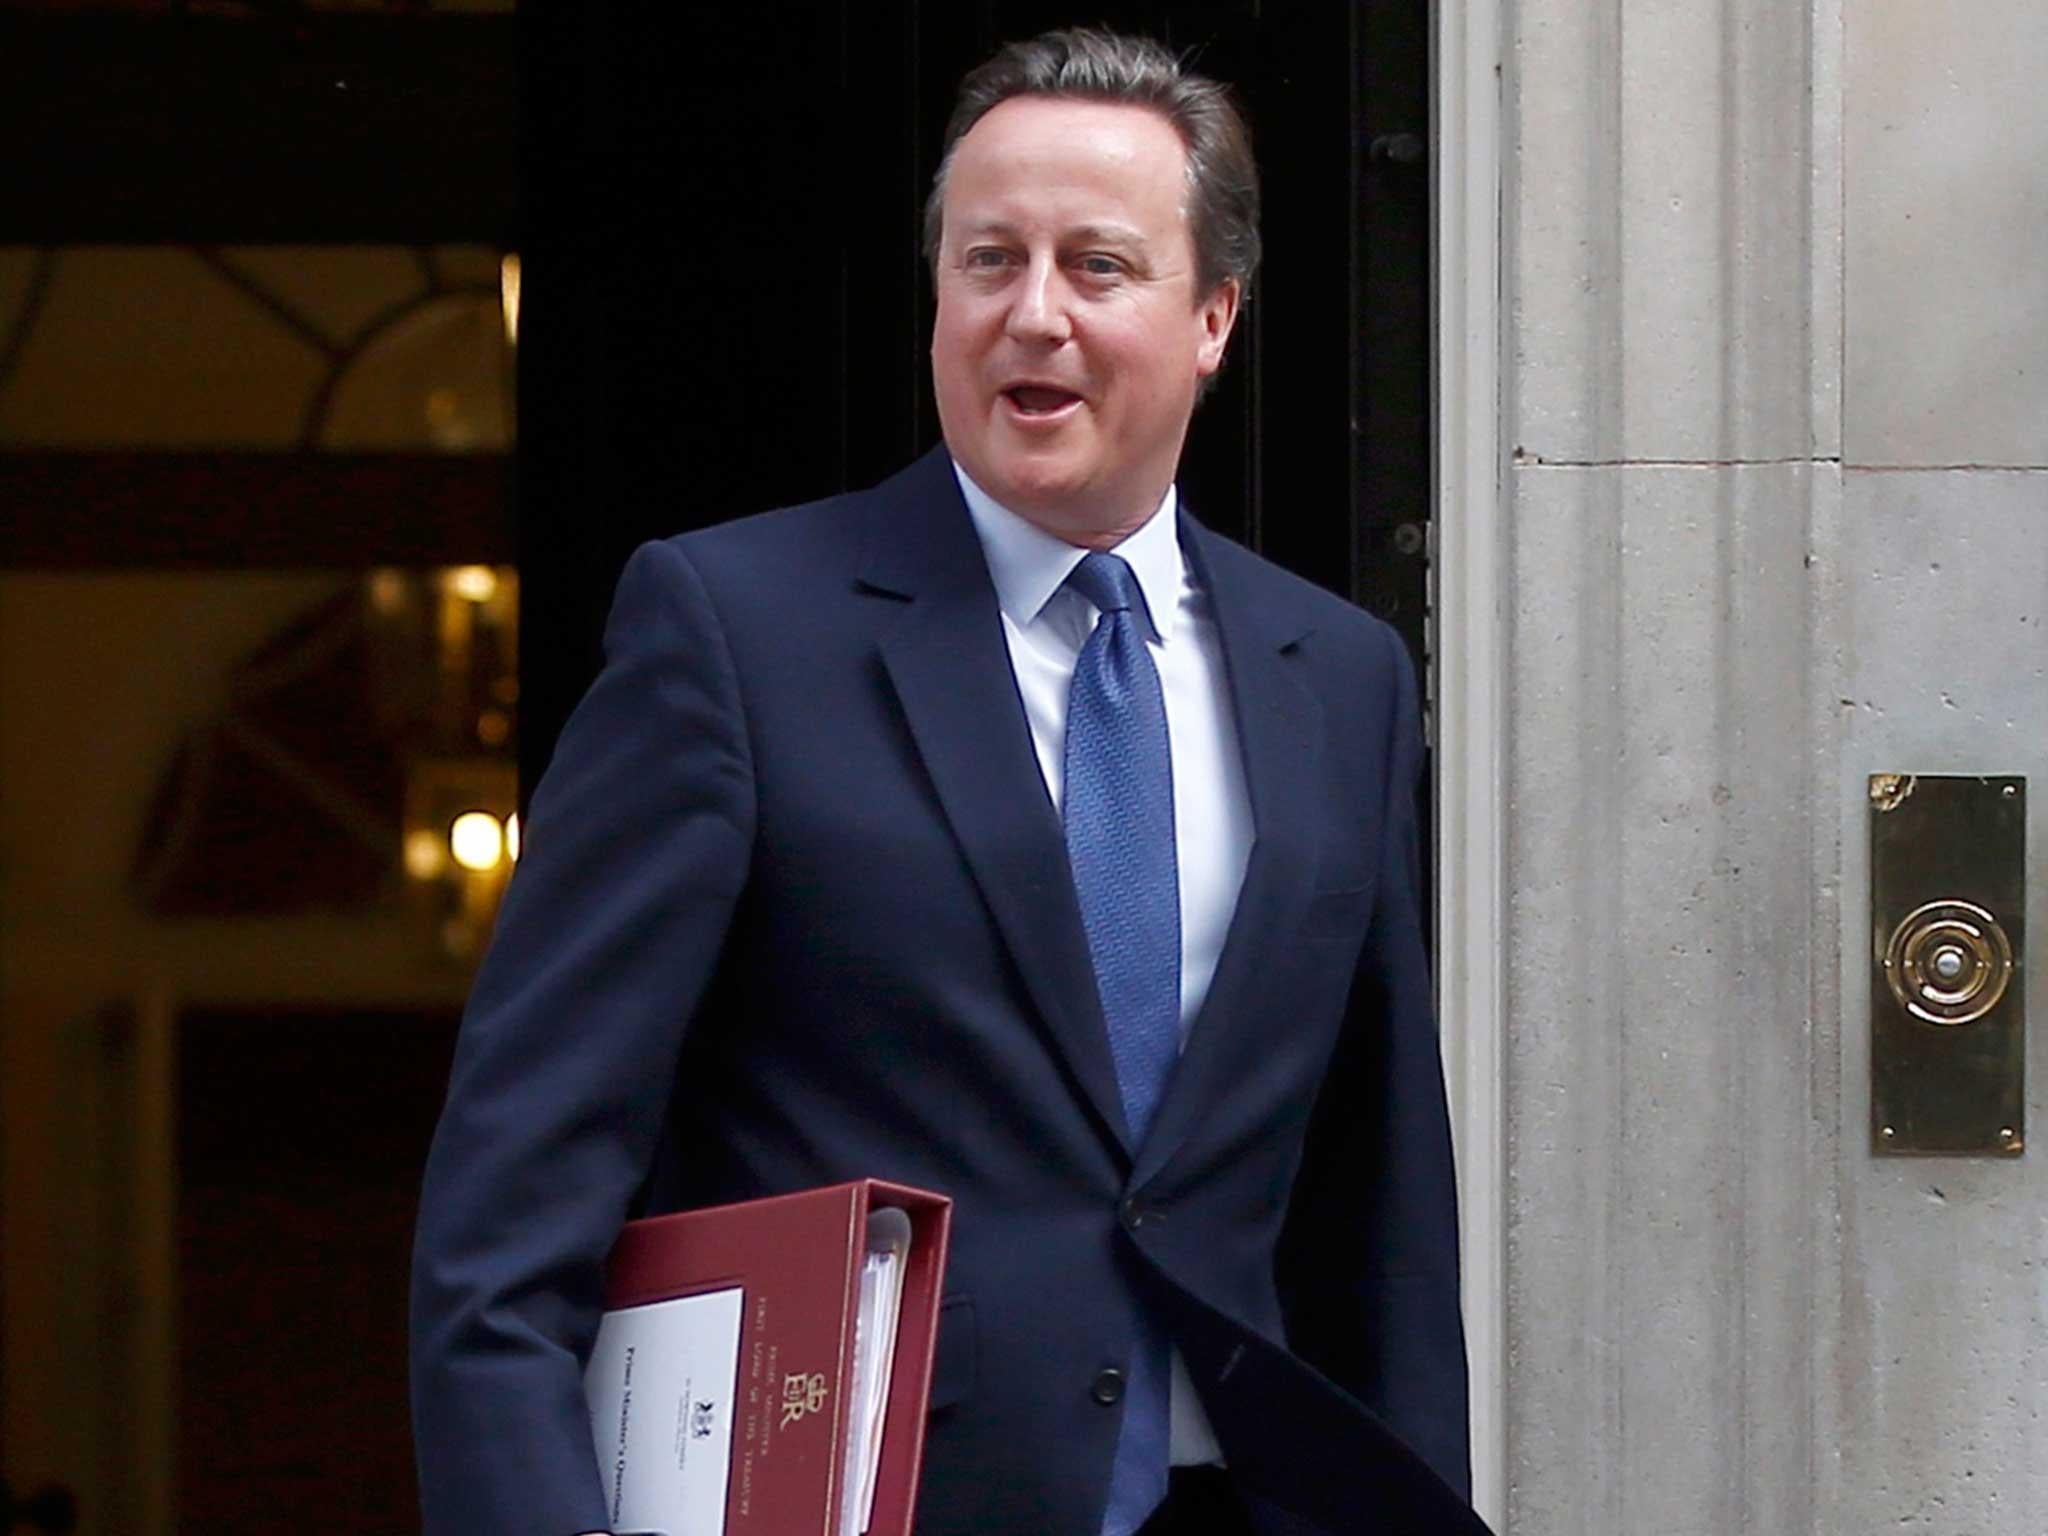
(635, 855)
(1369, 1262)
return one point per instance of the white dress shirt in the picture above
(1046, 625)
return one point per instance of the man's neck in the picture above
(1104, 533)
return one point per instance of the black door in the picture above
(725, 308)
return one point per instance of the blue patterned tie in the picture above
(1118, 808)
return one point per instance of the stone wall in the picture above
(1777, 410)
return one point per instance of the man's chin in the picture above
(1048, 497)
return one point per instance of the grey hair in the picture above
(1088, 64)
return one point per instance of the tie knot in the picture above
(1108, 582)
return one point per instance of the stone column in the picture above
(1672, 253)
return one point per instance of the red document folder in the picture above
(798, 1259)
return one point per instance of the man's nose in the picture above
(1038, 307)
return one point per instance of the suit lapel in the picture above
(1279, 731)
(950, 665)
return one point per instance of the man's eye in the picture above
(1101, 266)
(987, 257)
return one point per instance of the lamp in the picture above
(449, 649)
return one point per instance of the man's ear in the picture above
(1218, 315)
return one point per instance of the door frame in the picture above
(1468, 648)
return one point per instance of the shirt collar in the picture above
(1029, 565)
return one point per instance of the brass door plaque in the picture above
(1947, 986)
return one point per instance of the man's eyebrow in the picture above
(1107, 234)
(1080, 234)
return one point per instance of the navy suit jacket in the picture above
(794, 908)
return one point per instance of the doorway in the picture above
(254, 430)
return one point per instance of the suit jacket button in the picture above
(1108, 1389)
(1137, 1213)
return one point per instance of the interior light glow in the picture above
(387, 591)
(478, 583)
(512, 837)
(477, 841)
(508, 294)
(424, 858)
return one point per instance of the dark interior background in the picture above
(295, 1216)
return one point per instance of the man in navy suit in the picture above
(1002, 831)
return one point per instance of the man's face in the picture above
(1070, 339)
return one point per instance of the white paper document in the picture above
(874, 1355)
(660, 1384)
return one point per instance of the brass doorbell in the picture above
(1947, 999)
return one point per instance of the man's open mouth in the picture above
(1040, 399)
